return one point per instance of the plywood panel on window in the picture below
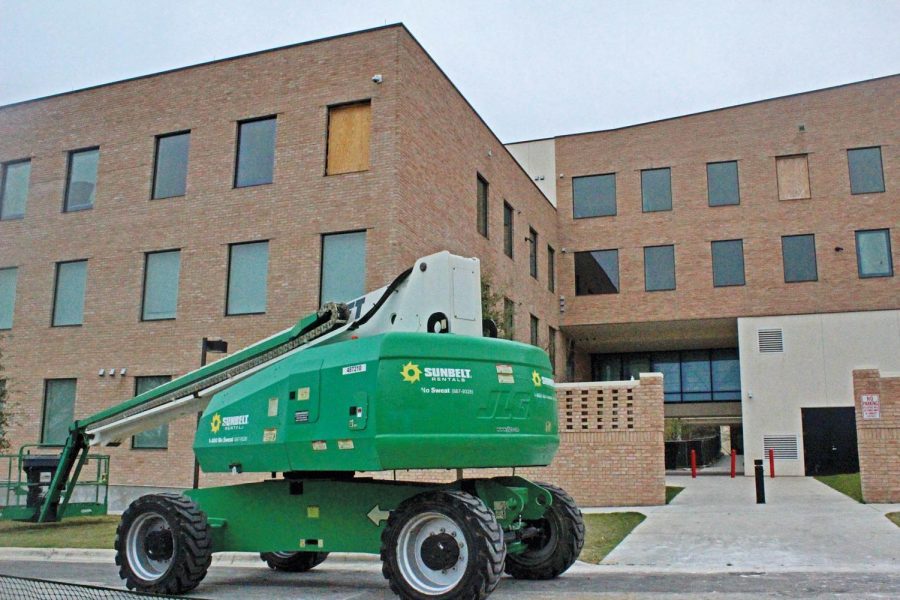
(349, 131)
(793, 177)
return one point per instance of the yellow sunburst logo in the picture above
(411, 372)
(536, 378)
(215, 423)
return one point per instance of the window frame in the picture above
(47, 381)
(509, 230)
(671, 191)
(154, 173)
(56, 292)
(815, 258)
(674, 269)
(482, 211)
(778, 179)
(134, 437)
(880, 166)
(3, 174)
(322, 255)
(618, 281)
(328, 109)
(712, 255)
(737, 181)
(143, 319)
(237, 150)
(533, 252)
(535, 332)
(551, 268)
(228, 278)
(15, 294)
(68, 182)
(615, 211)
(890, 258)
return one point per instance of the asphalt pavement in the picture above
(362, 580)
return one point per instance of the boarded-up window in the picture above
(793, 177)
(349, 130)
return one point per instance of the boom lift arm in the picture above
(440, 293)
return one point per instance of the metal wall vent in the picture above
(770, 340)
(785, 446)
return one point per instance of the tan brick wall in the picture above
(425, 207)
(857, 115)
(611, 451)
(878, 439)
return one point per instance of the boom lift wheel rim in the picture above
(419, 534)
(141, 546)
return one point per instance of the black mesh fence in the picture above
(23, 588)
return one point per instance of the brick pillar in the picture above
(878, 437)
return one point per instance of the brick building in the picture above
(226, 200)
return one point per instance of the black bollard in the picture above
(760, 481)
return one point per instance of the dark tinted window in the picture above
(799, 255)
(873, 253)
(481, 206)
(161, 273)
(81, 182)
(14, 190)
(594, 196)
(532, 252)
(597, 272)
(170, 170)
(158, 437)
(551, 269)
(68, 297)
(866, 175)
(508, 229)
(248, 276)
(656, 189)
(659, 268)
(59, 410)
(256, 152)
(728, 263)
(722, 183)
(535, 335)
(343, 267)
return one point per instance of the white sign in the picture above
(871, 406)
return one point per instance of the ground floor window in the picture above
(689, 375)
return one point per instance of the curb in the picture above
(82, 555)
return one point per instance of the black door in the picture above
(829, 440)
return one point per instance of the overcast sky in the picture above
(532, 69)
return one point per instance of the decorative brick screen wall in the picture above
(878, 434)
(611, 449)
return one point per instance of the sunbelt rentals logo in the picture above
(412, 373)
(237, 422)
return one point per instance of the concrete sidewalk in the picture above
(715, 525)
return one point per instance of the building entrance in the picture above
(829, 440)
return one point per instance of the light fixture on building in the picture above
(838, 249)
(102, 372)
(377, 78)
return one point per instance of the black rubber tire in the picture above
(483, 538)
(191, 544)
(293, 562)
(557, 549)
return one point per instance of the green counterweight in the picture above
(392, 401)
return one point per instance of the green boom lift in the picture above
(402, 378)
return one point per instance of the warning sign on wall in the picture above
(871, 406)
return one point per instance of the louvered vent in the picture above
(785, 446)
(770, 340)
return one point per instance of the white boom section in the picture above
(442, 294)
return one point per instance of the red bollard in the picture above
(733, 462)
(771, 463)
(694, 464)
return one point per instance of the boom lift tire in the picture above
(442, 545)
(163, 544)
(293, 562)
(557, 547)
